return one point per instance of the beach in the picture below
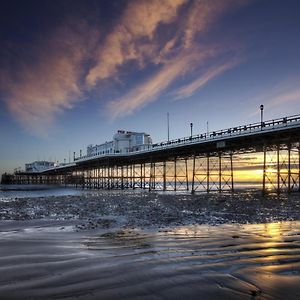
(137, 244)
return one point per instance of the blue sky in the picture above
(74, 72)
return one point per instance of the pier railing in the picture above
(254, 128)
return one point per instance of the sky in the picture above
(72, 73)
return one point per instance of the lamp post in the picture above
(261, 114)
(191, 129)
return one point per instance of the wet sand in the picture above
(110, 248)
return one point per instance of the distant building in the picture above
(38, 166)
(123, 142)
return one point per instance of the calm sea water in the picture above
(25, 191)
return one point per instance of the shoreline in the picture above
(120, 245)
(153, 209)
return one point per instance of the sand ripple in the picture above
(193, 262)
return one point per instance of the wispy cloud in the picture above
(179, 55)
(75, 59)
(287, 96)
(50, 83)
(283, 95)
(189, 89)
(150, 89)
(132, 37)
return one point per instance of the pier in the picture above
(201, 162)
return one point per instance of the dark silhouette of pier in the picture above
(202, 162)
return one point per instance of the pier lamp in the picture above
(191, 128)
(261, 114)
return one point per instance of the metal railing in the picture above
(238, 130)
(213, 135)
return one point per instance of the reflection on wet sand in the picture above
(229, 261)
(260, 261)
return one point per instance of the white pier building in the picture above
(123, 142)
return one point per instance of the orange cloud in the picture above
(140, 21)
(61, 74)
(175, 60)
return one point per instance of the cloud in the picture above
(287, 96)
(131, 39)
(134, 37)
(282, 96)
(179, 55)
(150, 89)
(191, 88)
(41, 88)
(74, 59)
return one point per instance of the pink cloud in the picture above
(132, 37)
(50, 84)
(175, 60)
(59, 77)
(286, 97)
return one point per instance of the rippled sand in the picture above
(42, 259)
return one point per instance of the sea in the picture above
(13, 191)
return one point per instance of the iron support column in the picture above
(186, 175)
(208, 173)
(264, 169)
(175, 174)
(289, 168)
(278, 169)
(164, 176)
(194, 171)
(220, 173)
(231, 171)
